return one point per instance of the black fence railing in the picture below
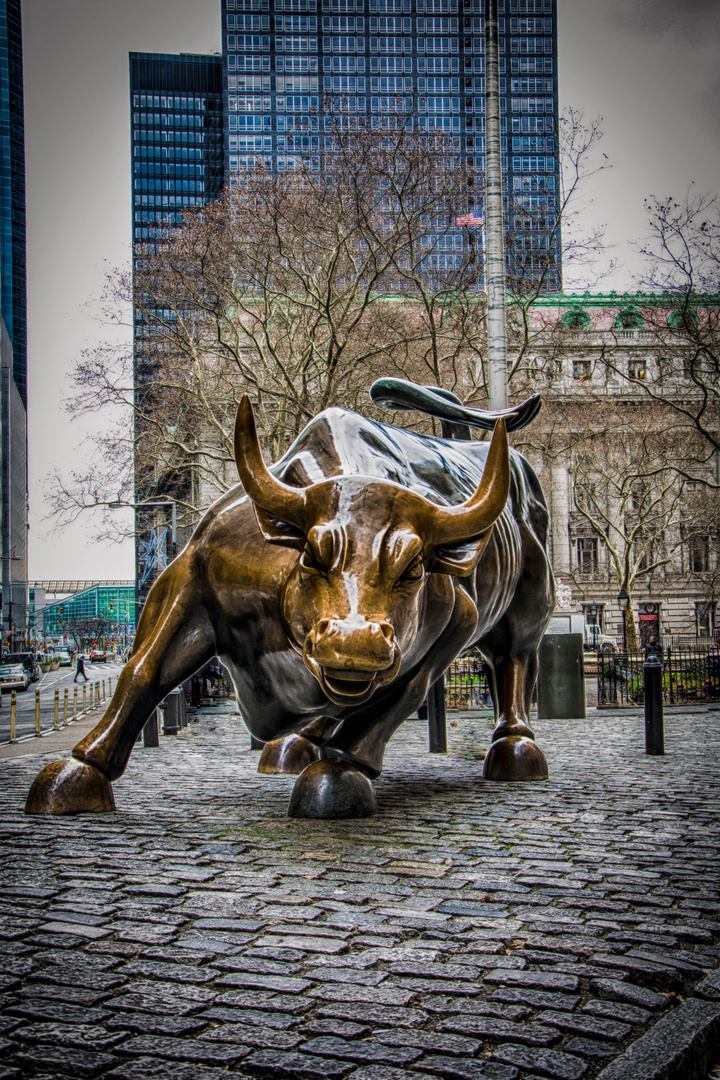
(691, 674)
(466, 685)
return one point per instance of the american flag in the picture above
(469, 219)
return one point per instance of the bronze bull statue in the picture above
(336, 588)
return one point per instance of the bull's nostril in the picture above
(387, 632)
(322, 626)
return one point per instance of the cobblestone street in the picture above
(470, 930)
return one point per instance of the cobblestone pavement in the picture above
(471, 930)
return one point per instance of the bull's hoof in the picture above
(290, 755)
(515, 758)
(70, 787)
(332, 788)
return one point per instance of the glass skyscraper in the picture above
(177, 137)
(13, 330)
(421, 61)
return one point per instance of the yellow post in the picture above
(13, 714)
(65, 706)
(84, 697)
(37, 711)
(97, 694)
(109, 687)
(103, 689)
(75, 703)
(57, 708)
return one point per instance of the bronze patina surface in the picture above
(336, 587)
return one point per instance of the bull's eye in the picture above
(309, 562)
(414, 571)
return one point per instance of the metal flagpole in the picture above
(494, 231)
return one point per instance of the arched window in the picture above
(575, 319)
(628, 319)
(683, 319)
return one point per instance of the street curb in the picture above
(51, 740)
(679, 1047)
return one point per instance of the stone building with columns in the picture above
(625, 447)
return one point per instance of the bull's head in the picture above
(354, 600)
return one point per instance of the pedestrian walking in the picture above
(80, 669)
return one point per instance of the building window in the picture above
(637, 369)
(587, 554)
(705, 619)
(698, 549)
(581, 370)
(628, 319)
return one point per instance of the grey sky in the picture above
(649, 68)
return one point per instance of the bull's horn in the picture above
(266, 491)
(485, 506)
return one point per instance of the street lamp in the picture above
(623, 602)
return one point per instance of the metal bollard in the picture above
(57, 708)
(654, 729)
(109, 687)
(103, 690)
(437, 719)
(84, 708)
(97, 695)
(13, 715)
(37, 711)
(75, 703)
(151, 730)
(65, 707)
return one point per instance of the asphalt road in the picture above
(47, 684)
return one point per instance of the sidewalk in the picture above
(469, 931)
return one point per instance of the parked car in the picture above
(594, 639)
(64, 656)
(98, 657)
(28, 661)
(14, 677)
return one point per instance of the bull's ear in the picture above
(459, 559)
(276, 531)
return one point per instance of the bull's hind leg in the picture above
(294, 753)
(514, 754)
(174, 639)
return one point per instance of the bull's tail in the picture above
(456, 418)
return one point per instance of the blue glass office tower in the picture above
(177, 140)
(12, 190)
(13, 333)
(421, 59)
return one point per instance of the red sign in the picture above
(648, 618)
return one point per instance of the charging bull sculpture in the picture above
(336, 588)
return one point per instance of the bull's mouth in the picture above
(345, 686)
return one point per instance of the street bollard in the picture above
(56, 709)
(13, 715)
(65, 707)
(151, 730)
(84, 708)
(97, 695)
(437, 720)
(109, 687)
(37, 712)
(75, 703)
(654, 731)
(103, 689)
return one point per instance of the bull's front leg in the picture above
(514, 754)
(340, 784)
(294, 753)
(174, 639)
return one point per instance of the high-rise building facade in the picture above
(13, 331)
(177, 137)
(414, 62)
(12, 190)
(177, 155)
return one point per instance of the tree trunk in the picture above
(631, 636)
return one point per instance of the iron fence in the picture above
(691, 674)
(466, 685)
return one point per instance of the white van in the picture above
(593, 638)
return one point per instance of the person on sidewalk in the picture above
(80, 669)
